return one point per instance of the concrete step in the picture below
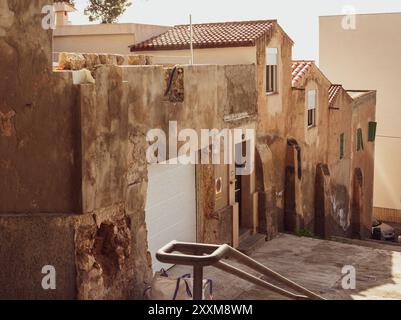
(251, 243)
(244, 234)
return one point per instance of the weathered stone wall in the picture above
(201, 97)
(273, 111)
(64, 157)
(110, 247)
(104, 139)
(38, 162)
(99, 251)
(340, 119)
(312, 141)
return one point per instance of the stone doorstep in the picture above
(251, 243)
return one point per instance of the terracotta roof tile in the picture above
(333, 92)
(299, 70)
(208, 35)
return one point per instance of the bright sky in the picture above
(299, 18)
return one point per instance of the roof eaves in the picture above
(234, 44)
(301, 71)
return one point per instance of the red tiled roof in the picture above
(333, 92)
(208, 35)
(299, 70)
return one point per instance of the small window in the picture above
(372, 131)
(342, 142)
(311, 117)
(271, 70)
(359, 135)
(312, 108)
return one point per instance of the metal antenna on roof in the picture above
(191, 39)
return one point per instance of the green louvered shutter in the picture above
(372, 131)
(342, 146)
(359, 140)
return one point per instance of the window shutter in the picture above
(311, 99)
(359, 140)
(271, 57)
(342, 146)
(372, 131)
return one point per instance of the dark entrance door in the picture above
(238, 197)
(289, 200)
(320, 210)
(242, 191)
(356, 203)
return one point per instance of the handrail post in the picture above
(198, 283)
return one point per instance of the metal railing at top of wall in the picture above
(201, 255)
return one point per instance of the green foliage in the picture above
(342, 141)
(107, 11)
(359, 135)
(304, 233)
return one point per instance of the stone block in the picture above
(91, 60)
(137, 60)
(71, 61)
(120, 59)
(106, 58)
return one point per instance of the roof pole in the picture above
(191, 39)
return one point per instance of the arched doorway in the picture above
(260, 189)
(290, 214)
(322, 170)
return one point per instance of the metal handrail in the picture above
(203, 255)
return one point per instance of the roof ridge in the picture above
(209, 35)
(227, 22)
(314, 61)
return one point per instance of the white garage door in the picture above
(170, 207)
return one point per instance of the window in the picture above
(311, 108)
(271, 70)
(372, 131)
(359, 145)
(342, 140)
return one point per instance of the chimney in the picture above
(62, 10)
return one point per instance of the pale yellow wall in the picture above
(369, 58)
(387, 188)
(102, 38)
(226, 56)
(115, 44)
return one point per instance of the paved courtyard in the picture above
(316, 265)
